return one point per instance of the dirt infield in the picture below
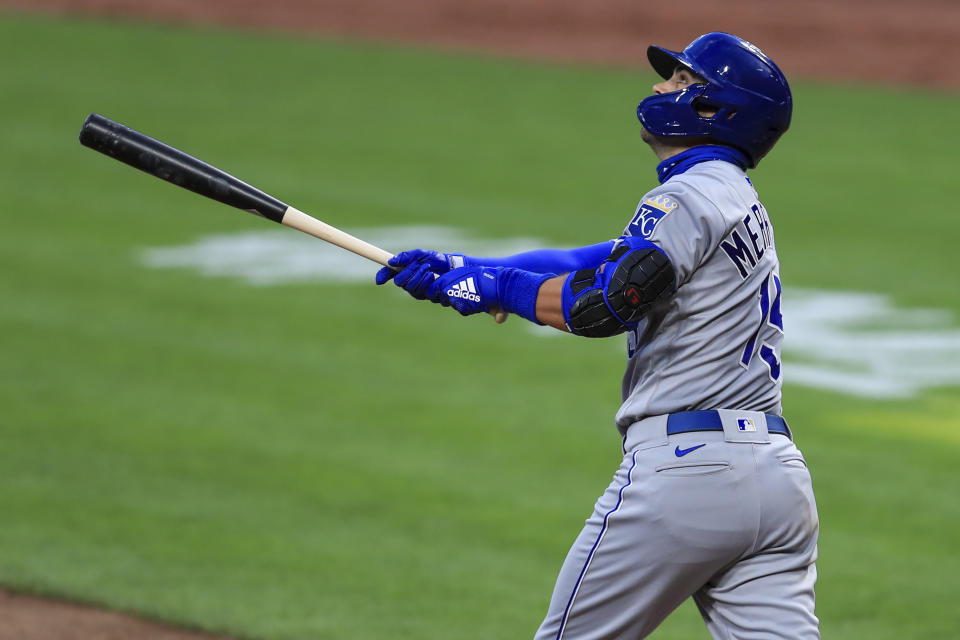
(889, 41)
(25, 617)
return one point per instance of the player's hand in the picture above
(469, 290)
(438, 262)
(415, 279)
(412, 271)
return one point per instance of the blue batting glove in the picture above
(469, 290)
(397, 263)
(416, 278)
(472, 290)
(439, 262)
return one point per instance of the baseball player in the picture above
(712, 500)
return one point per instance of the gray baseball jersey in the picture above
(715, 505)
(716, 343)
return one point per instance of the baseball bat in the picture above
(167, 163)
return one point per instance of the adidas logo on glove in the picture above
(465, 289)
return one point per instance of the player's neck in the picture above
(665, 148)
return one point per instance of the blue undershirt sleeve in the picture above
(550, 260)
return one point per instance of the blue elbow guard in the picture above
(615, 297)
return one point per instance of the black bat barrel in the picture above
(170, 164)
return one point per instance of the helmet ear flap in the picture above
(674, 115)
(705, 108)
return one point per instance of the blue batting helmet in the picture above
(747, 90)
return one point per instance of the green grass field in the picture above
(336, 461)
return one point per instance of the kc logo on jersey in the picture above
(465, 289)
(648, 215)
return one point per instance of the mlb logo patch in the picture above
(746, 424)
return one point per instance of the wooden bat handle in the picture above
(296, 219)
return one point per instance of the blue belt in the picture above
(687, 421)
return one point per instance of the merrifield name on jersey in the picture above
(746, 249)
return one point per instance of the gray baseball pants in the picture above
(732, 523)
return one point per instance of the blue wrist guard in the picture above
(472, 290)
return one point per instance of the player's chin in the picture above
(651, 139)
(663, 141)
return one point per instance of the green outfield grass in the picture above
(337, 461)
